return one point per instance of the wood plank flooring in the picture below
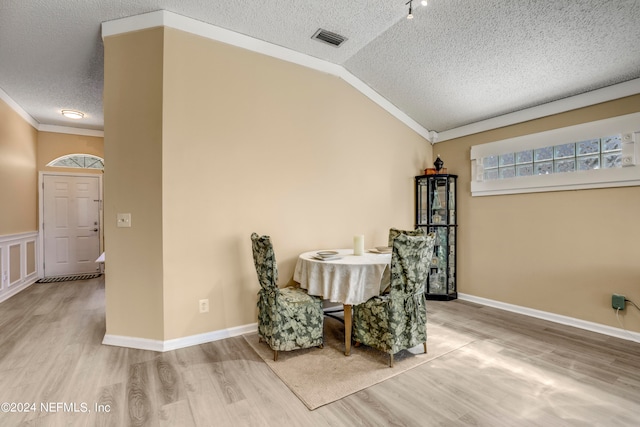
(518, 371)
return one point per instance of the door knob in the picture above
(95, 229)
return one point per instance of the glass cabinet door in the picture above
(439, 201)
(422, 201)
(436, 212)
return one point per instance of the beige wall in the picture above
(562, 252)
(248, 143)
(133, 184)
(18, 173)
(53, 145)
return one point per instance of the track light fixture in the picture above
(410, 3)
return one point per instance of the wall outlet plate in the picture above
(617, 301)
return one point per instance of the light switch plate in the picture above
(124, 220)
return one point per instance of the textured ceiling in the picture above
(457, 62)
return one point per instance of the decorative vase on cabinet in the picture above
(436, 212)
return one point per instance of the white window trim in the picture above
(629, 175)
(52, 163)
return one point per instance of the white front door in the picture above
(71, 218)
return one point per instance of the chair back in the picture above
(410, 263)
(394, 232)
(264, 259)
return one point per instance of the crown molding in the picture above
(609, 93)
(18, 109)
(212, 32)
(71, 130)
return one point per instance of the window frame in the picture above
(629, 175)
(68, 156)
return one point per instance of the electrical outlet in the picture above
(204, 306)
(617, 301)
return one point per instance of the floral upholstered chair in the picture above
(394, 232)
(398, 320)
(288, 318)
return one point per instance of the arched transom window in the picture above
(82, 161)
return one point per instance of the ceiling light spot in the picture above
(72, 114)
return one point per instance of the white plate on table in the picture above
(381, 250)
(332, 258)
(327, 255)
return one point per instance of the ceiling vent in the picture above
(328, 37)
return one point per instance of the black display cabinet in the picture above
(436, 212)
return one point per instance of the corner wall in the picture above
(133, 184)
(249, 143)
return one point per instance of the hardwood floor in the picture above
(518, 371)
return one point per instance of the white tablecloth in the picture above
(349, 280)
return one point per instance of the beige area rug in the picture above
(320, 376)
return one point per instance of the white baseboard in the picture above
(174, 344)
(557, 318)
(18, 288)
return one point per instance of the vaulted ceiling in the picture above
(457, 62)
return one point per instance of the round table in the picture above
(348, 279)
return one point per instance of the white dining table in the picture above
(348, 279)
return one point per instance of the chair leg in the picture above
(425, 346)
(275, 355)
(391, 360)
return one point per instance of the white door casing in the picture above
(70, 224)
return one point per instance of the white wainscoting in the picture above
(18, 263)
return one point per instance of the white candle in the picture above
(358, 244)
